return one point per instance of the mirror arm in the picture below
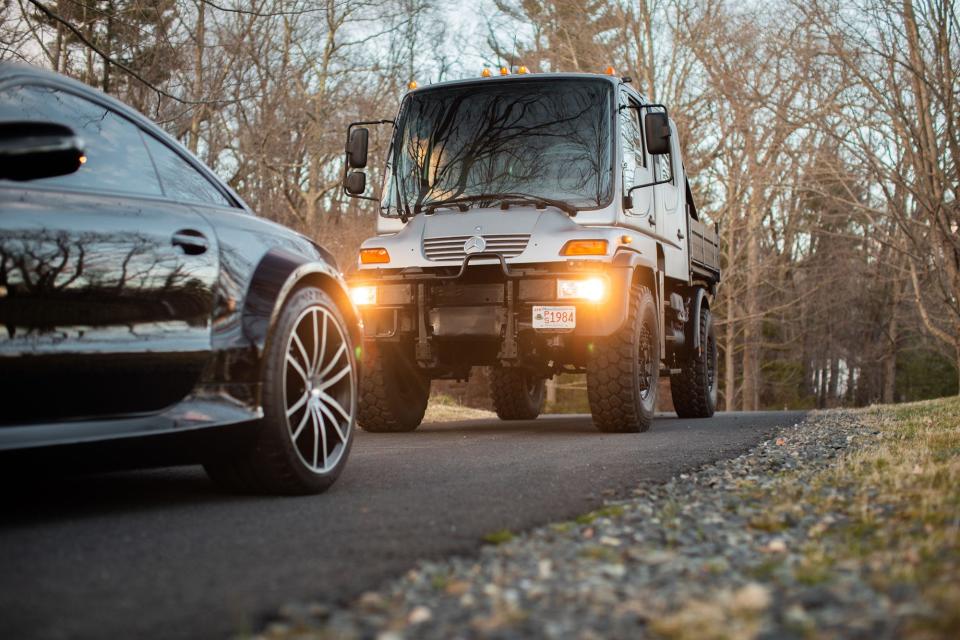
(649, 184)
(346, 169)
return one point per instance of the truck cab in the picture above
(534, 224)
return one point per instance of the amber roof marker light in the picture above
(485, 73)
(412, 85)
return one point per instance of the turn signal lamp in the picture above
(412, 85)
(365, 295)
(584, 248)
(485, 73)
(374, 256)
(83, 159)
(591, 289)
(504, 71)
(522, 70)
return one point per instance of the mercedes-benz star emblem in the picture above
(474, 244)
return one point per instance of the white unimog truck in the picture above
(534, 224)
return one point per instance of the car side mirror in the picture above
(357, 148)
(657, 129)
(32, 150)
(355, 183)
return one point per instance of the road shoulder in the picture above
(837, 526)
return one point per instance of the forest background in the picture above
(822, 136)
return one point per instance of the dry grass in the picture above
(897, 504)
(443, 408)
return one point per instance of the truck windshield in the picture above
(549, 139)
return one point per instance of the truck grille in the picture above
(451, 247)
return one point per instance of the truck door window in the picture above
(631, 138)
(662, 164)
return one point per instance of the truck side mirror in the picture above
(31, 150)
(657, 129)
(355, 183)
(357, 148)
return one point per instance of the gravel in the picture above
(702, 555)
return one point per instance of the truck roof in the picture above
(520, 77)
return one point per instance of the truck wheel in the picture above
(624, 368)
(694, 389)
(517, 394)
(393, 391)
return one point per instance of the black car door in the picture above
(106, 285)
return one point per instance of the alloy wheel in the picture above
(320, 389)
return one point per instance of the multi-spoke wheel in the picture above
(309, 404)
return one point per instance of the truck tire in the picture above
(624, 368)
(516, 393)
(393, 391)
(694, 389)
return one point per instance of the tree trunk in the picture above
(834, 382)
(751, 323)
(958, 368)
(890, 361)
(729, 364)
(198, 110)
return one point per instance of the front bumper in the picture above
(487, 302)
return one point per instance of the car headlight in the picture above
(365, 295)
(592, 289)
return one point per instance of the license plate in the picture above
(554, 317)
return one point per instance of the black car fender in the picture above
(278, 274)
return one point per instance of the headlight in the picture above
(592, 289)
(363, 295)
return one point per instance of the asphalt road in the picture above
(161, 554)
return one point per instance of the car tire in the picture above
(309, 393)
(393, 391)
(694, 389)
(516, 393)
(623, 370)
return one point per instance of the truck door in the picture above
(670, 209)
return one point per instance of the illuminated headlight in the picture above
(592, 289)
(363, 295)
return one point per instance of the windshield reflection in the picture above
(540, 137)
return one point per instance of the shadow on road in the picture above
(69, 496)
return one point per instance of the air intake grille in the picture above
(451, 247)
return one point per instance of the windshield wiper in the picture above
(502, 197)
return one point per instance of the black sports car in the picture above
(140, 296)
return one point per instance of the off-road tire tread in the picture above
(610, 378)
(688, 389)
(376, 412)
(509, 395)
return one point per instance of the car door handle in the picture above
(652, 221)
(679, 234)
(191, 241)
